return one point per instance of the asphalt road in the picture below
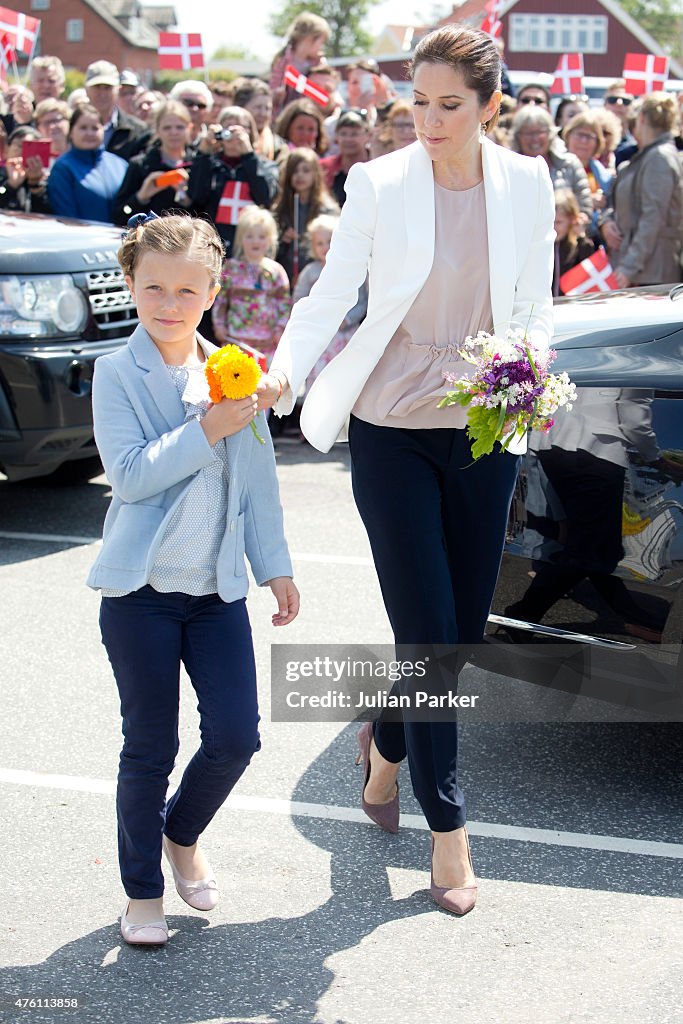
(324, 919)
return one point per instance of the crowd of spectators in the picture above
(117, 148)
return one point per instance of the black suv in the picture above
(63, 303)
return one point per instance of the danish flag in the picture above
(491, 23)
(568, 75)
(297, 80)
(180, 50)
(645, 73)
(21, 29)
(7, 52)
(592, 275)
(236, 196)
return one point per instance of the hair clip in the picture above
(138, 219)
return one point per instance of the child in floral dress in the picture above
(320, 232)
(253, 304)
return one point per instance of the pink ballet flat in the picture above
(200, 895)
(153, 934)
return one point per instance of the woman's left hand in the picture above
(622, 280)
(287, 597)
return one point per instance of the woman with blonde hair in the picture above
(155, 181)
(534, 133)
(643, 227)
(584, 138)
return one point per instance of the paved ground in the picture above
(324, 919)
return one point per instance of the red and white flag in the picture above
(645, 73)
(592, 275)
(180, 51)
(21, 29)
(7, 52)
(236, 196)
(297, 80)
(491, 23)
(568, 75)
(492, 26)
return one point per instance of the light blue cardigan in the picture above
(151, 454)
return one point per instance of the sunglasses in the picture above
(190, 104)
(533, 99)
(614, 101)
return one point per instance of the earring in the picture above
(482, 131)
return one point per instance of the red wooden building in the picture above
(536, 32)
(124, 32)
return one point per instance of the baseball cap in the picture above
(129, 78)
(101, 72)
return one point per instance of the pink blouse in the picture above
(455, 302)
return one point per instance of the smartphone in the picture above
(171, 179)
(36, 147)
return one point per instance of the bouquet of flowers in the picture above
(232, 373)
(511, 390)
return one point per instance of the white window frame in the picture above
(558, 33)
(74, 30)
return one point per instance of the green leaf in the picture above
(482, 429)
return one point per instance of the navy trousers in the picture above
(436, 524)
(147, 635)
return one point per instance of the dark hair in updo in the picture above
(174, 235)
(468, 50)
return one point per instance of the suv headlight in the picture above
(40, 306)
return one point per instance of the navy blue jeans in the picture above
(436, 525)
(147, 635)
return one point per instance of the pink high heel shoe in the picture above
(457, 900)
(200, 895)
(153, 934)
(385, 815)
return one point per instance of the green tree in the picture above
(663, 19)
(345, 18)
(231, 53)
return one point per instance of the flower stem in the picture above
(256, 433)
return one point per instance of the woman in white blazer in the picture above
(456, 236)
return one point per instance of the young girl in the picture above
(302, 197)
(571, 244)
(253, 304)
(306, 38)
(193, 490)
(320, 232)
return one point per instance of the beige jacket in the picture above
(647, 206)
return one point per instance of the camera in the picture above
(223, 134)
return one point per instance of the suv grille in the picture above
(110, 301)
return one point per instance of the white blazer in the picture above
(386, 230)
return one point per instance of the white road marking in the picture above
(297, 809)
(65, 538)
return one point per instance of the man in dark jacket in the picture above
(124, 134)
